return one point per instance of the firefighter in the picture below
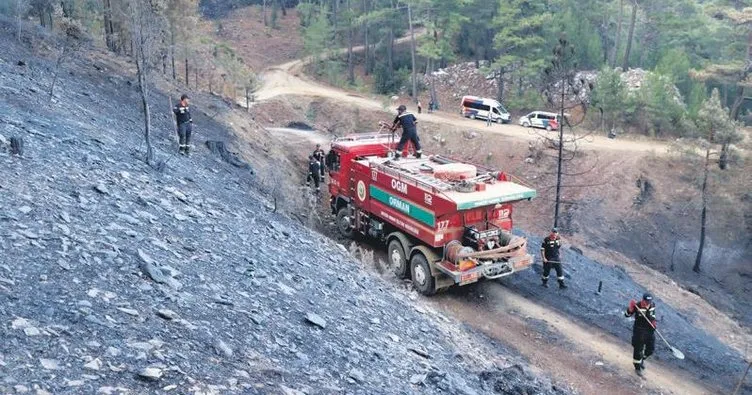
(420, 107)
(331, 161)
(314, 171)
(319, 155)
(643, 331)
(407, 122)
(185, 124)
(551, 258)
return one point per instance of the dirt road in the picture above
(288, 79)
(590, 360)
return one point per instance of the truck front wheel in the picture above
(344, 223)
(397, 259)
(423, 281)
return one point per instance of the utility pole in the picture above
(561, 146)
(412, 50)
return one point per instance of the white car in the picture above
(541, 119)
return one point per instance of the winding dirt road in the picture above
(288, 79)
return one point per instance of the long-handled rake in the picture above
(677, 353)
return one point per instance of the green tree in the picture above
(660, 103)
(520, 39)
(609, 97)
(475, 39)
(675, 64)
(735, 71)
(318, 34)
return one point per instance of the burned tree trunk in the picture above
(16, 146)
(703, 215)
(625, 66)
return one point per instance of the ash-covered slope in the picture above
(117, 278)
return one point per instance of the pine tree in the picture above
(712, 120)
(609, 97)
(520, 40)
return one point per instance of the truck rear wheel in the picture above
(344, 223)
(423, 281)
(397, 260)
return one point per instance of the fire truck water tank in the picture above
(455, 171)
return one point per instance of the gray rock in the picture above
(101, 188)
(24, 209)
(167, 314)
(316, 319)
(180, 217)
(417, 379)
(65, 216)
(49, 364)
(32, 331)
(131, 312)
(129, 219)
(74, 383)
(94, 364)
(149, 267)
(29, 234)
(150, 374)
(357, 375)
(420, 351)
(223, 349)
(20, 323)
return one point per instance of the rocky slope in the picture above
(119, 278)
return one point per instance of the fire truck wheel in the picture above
(343, 222)
(423, 281)
(397, 260)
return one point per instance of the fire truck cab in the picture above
(443, 222)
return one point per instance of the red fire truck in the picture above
(443, 222)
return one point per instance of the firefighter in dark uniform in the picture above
(185, 124)
(320, 156)
(408, 123)
(332, 161)
(551, 258)
(643, 332)
(314, 172)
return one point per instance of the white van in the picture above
(541, 119)
(477, 107)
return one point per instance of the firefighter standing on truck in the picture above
(185, 124)
(320, 155)
(643, 332)
(408, 123)
(314, 170)
(551, 258)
